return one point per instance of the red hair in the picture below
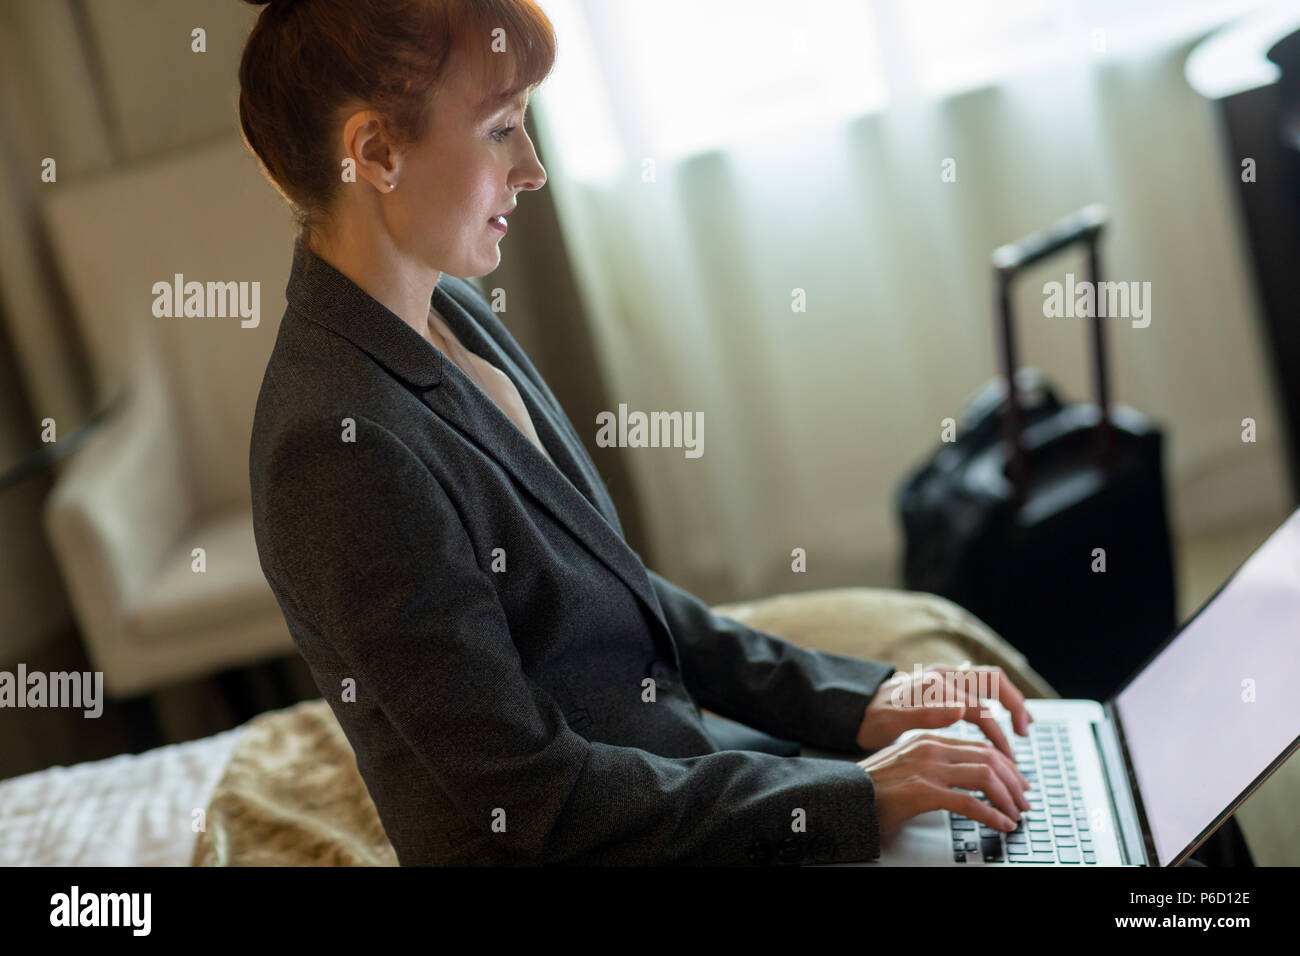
(306, 61)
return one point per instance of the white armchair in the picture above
(168, 472)
(123, 524)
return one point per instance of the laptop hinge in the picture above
(1121, 797)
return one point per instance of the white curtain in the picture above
(711, 162)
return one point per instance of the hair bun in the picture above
(280, 5)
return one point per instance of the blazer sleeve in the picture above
(367, 545)
(766, 682)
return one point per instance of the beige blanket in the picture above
(291, 794)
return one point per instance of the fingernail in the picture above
(1007, 824)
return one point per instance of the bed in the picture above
(128, 810)
(283, 789)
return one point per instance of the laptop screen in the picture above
(1222, 701)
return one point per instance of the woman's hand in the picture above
(917, 775)
(939, 697)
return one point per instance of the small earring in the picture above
(391, 185)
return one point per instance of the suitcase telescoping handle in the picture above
(1083, 226)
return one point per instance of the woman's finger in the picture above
(984, 778)
(935, 796)
(960, 693)
(989, 725)
(1010, 697)
(963, 751)
(968, 693)
(996, 686)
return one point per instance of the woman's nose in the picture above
(532, 172)
(536, 178)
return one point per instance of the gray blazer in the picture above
(484, 633)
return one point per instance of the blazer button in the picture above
(578, 719)
(791, 850)
(822, 850)
(664, 676)
(760, 853)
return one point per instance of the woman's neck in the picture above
(397, 281)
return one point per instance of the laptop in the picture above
(1146, 777)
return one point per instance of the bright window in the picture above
(665, 78)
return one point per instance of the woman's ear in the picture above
(369, 152)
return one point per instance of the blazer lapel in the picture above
(460, 402)
(563, 445)
(322, 294)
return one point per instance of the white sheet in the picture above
(128, 810)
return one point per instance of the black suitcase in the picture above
(1006, 519)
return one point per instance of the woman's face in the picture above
(465, 172)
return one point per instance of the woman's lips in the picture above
(498, 222)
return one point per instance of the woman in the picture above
(517, 686)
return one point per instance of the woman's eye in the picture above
(501, 134)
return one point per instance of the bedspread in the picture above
(292, 794)
(128, 810)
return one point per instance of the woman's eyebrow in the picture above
(496, 104)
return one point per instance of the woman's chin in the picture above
(493, 261)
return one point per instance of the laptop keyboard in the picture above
(1055, 828)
